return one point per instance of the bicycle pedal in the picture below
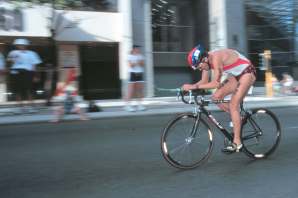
(227, 152)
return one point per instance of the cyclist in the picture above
(241, 75)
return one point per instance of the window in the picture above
(172, 25)
(82, 5)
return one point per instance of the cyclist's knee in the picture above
(234, 105)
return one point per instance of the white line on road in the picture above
(293, 127)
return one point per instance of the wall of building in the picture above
(72, 28)
(236, 25)
(27, 22)
(142, 35)
(174, 41)
(89, 26)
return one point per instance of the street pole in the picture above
(51, 74)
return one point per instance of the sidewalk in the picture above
(154, 106)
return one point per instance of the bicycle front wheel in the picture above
(260, 133)
(186, 142)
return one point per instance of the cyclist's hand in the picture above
(187, 87)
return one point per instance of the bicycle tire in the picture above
(180, 149)
(260, 133)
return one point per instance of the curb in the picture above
(164, 106)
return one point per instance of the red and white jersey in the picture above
(238, 67)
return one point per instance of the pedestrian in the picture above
(67, 97)
(286, 82)
(23, 70)
(241, 76)
(275, 84)
(136, 80)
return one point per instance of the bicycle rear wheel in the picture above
(260, 133)
(185, 144)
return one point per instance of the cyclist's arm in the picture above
(204, 79)
(215, 82)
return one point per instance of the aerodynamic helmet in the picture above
(195, 56)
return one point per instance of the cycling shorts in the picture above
(250, 69)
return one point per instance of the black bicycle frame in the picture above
(207, 113)
(202, 110)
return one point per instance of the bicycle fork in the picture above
(194, 129)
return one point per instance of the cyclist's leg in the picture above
(245, 82)
(226, 88)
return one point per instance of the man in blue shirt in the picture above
(23, 67)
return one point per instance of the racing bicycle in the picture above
(187, 140)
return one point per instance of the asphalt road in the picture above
(111, 158)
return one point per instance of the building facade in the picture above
(272, 25)
(97, 42)
(91, 42)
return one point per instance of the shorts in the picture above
(136, 77)
(250, 69)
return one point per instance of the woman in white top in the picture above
(136, 79)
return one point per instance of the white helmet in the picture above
(21, 41)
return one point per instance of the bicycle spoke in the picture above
(173, 151)
(182, 146)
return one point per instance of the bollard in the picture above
(269, 87)
(268, 73)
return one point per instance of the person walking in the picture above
(22, 70)
(136, 80)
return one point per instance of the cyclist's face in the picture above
(204, 64)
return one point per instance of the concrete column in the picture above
(148, 50)
(126, 42)
(218, 24)
(236, 25)
(295, 32)
(295, 69)
(227, 25)
(3, 96)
